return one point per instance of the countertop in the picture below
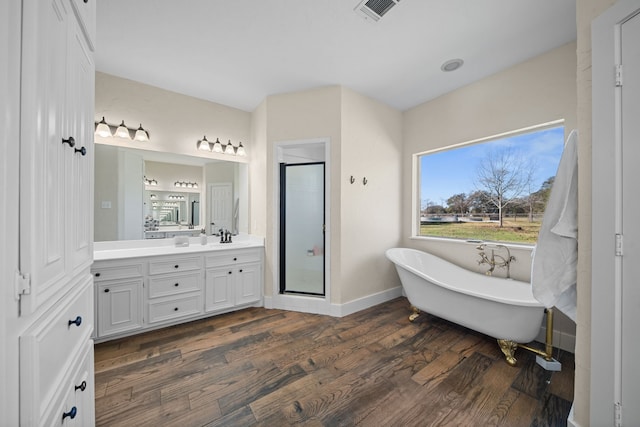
(151, 247)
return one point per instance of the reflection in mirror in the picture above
(172, 208)
(144, 194)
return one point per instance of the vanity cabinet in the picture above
(119, 295)
(232, 278)
(175, 289)
(78, 393)
(55, 318)
(119, 306)
(138, 294)
(54, 353)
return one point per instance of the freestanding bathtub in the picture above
(504, 309)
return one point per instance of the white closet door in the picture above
(43, 155)
(80, 106)
(630, 59)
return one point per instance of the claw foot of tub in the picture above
(414, 315)
(508, 348)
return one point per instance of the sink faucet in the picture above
(225, 236)
(502, 262)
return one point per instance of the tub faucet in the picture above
(501, 262)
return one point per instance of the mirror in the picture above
(146, 194)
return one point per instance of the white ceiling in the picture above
(237, 52)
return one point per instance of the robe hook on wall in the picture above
(364, 181)
(352, 179)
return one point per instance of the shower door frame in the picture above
(305, 151)
(283, 230)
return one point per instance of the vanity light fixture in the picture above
(102, 129)
(150, 181)
(106, 130)
(185, 184)
(229, 149)
(122, 131)
(217, 146)
(204, 145)
(141, 134)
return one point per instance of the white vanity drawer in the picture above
(233, 257)
(188, 233)
(75, 406)
(174, 308)
(116, 270)
(154, 235)
(174, 284)
(51, 346)
(174, 264)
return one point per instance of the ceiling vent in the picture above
(373, 10)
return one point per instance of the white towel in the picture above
(555, 257)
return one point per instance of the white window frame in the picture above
(416, 177)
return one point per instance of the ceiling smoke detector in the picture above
(373, 10)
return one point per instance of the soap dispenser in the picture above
(203, 237)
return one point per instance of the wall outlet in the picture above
(106, 204)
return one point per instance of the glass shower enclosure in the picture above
(302, 227)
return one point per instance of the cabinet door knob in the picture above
(82, 386)
(235, 259)
(240, 270)
(176, 285)
(77, 321)
(86, 1)
(71, 414)
(81, 150)
(175, 309)
(97, 274)
(106, 290)
(176, 266)
(69, 141)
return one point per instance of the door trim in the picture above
(606, 286)
(307, 150)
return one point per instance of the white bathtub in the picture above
(501, 308)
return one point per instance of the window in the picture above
(494, 190)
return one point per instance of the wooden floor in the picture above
(276, 368)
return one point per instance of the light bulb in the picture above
(122, 131)
(102, 129)
(229, 148)
(217, 146)
(141, 134)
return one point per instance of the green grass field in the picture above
(521, 231)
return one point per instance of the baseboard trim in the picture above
(570, 421)
(369, 301)
(315, 305)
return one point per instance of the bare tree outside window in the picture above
(504, 176)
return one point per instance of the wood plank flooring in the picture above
(276, 368)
